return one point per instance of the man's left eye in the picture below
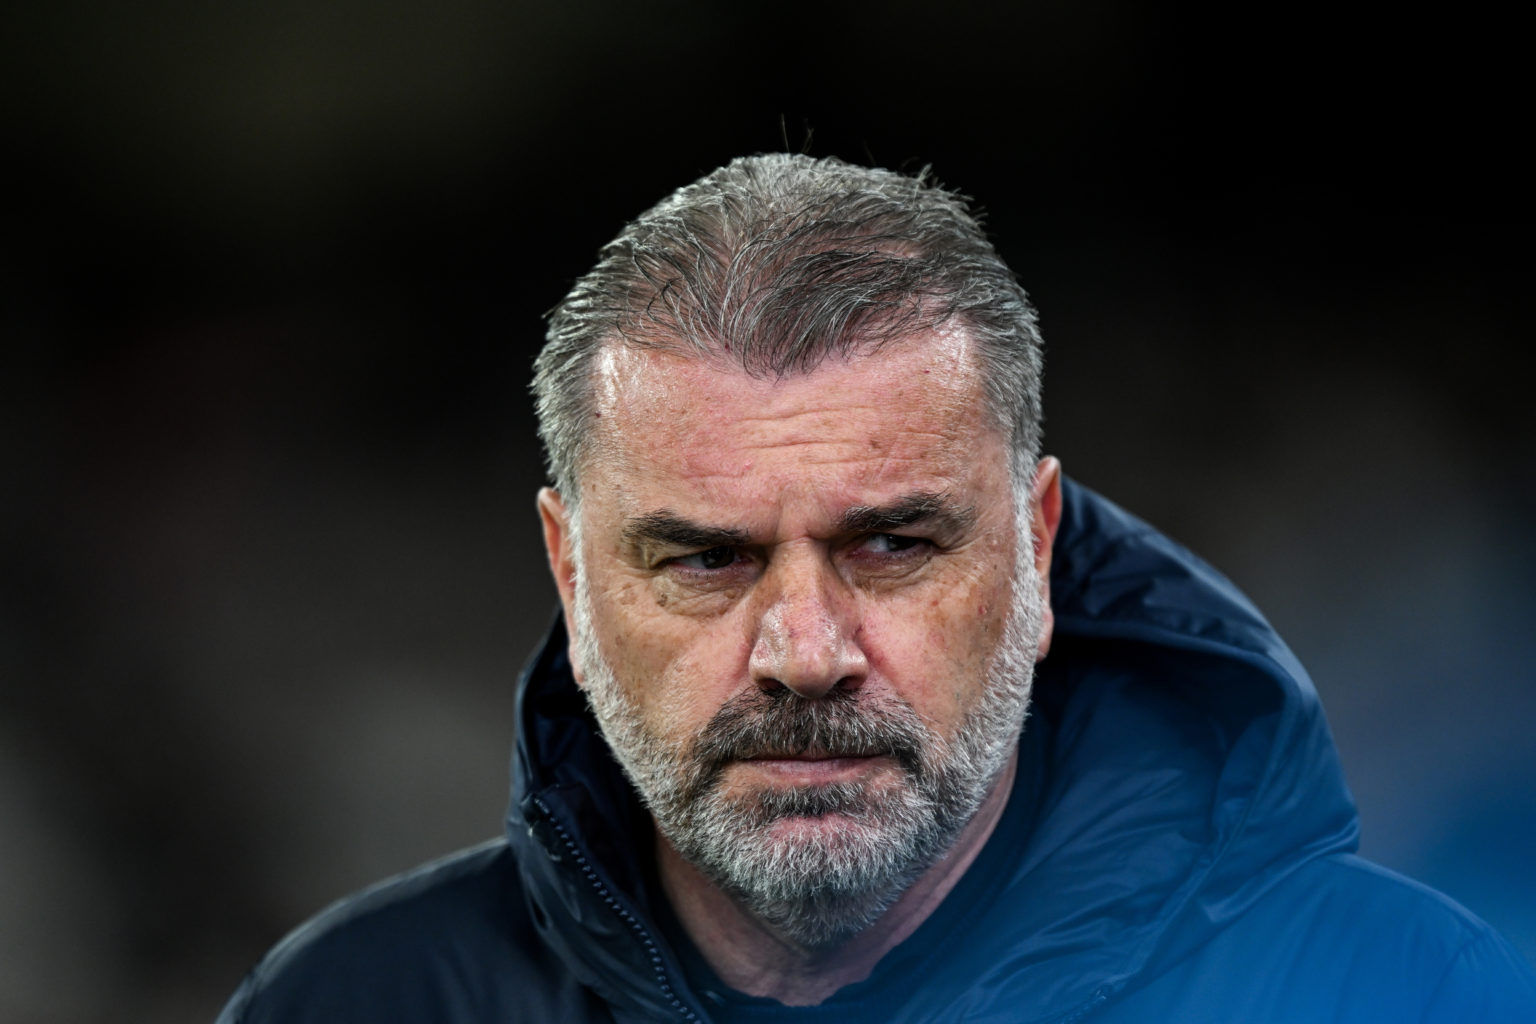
(714, 558)
(890, 543)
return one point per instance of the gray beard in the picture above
(818, 894)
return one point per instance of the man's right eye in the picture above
(713, 559)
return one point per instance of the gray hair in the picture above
(778, 261)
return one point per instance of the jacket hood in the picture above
(1176, 763)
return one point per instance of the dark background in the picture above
(273, 277)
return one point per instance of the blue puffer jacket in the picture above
(1187, 856)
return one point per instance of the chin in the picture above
(835, 835)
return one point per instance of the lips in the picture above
(816, 755)
(807, 744)
(813, 768)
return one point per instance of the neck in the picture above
(752, 958)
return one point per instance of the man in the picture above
(816, 576)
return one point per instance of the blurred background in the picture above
(273, 277)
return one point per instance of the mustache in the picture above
(781, 723)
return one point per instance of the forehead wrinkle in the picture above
(822, 441)
(668, 423)
(733, 455)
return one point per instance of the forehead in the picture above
(910, 415)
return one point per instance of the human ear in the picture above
(559, 545)
(1045, 518)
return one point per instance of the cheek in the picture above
(629, 644)
(678, 671)
(685, 694)
(936, 651)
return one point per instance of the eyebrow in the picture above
(909, 510)
(667, 527)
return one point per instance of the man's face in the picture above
(805, 613)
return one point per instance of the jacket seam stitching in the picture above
(1445, 973)
(624, 915)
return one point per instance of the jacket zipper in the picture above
(651, 950)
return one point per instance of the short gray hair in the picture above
(777, 261)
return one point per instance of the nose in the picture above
(807, 631)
